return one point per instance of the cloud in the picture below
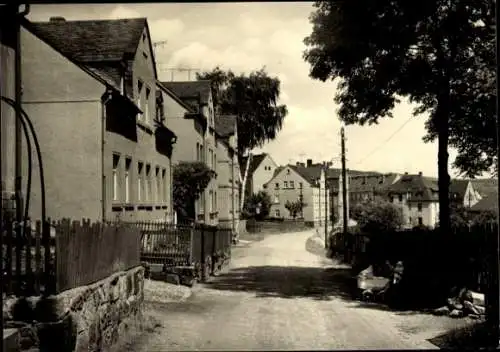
(165, 29)
(123, 12)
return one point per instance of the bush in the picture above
(377, 216)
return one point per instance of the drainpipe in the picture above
(106, 98)
(18, 124)
(233, 194)
(171, 205)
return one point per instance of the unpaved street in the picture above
(279, 296)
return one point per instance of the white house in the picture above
(260, 171)
(418, 198)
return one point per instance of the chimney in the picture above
(420, 173)
(309, 162)
(57, 19)
(302, 164)
(406, 173)
(297, 163)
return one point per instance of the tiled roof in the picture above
(93, 40)
(459, 187)
(420, 187)
(254, 163)
(485, 186)
(311, 173)
(225, 125)
(191, 89)
(488, 203)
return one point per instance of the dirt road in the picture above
(279, 296)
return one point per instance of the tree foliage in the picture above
(253, 98)
(190, 179)
(377, 216)
(437, 53)
(295, 207)
(257, 205)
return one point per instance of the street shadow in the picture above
(289, 282)
(475, 336)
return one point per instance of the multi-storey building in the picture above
(90, 89)
(199, 138)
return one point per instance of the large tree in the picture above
(435, 52)
(253, 98)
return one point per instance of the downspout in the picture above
(18, 123)
(233, 208)
(106, 98)
(171, 201)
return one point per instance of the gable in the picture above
(282, 173)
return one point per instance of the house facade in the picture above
(462, 193)
(228, 170)
(418, 199)
(199, 131)
(296, 182)
(260, 171)
(105, 151)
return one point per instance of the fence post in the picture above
(191, 244)
(202, 245)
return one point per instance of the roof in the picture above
(191, 89)
(174, 96)
(420, 187)
(99, 74)
(459, 187)
(254, 162)
(485, 186)
(94, 40)
(488, 203)
(311, 174)
(225, 125)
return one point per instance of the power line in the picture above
(384, 142)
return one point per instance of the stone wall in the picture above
(87, 318)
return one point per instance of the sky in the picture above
(245, 37)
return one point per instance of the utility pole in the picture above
(326, 207)
(344, 195)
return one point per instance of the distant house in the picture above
(295, 182)
(90, 89)
(228, 171)
(417, 197)
(196, 131)
(260, 171)
(486, 190)
(462, 193)
(362, 186)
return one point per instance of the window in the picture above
(202, 203)
(128, 162)
(300, 185)
(139, 93)
(140, 181)
(215, 162)
(116, 189)
(164, 184)
(197, 151)
(400, 197)
(277, 186)
(148, 182)
(277, 213)
(292, 185)
(276, 198)
(146, 105)
(122, 85)
(211, 200)
(158, 196)
(288, 171)
(202, 153)
(419, 206)
(420, 220)
(285, 184)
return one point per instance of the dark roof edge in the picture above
(174, 96)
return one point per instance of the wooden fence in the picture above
(465, 252)
(60, 255)
(202, 246)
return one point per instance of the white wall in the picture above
(261, 175)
